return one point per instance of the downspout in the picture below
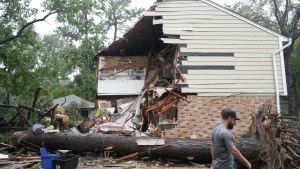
(275, 75)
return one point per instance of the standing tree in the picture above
(19, 47)
(14, 16)
(82, 27)
(117, 13)
(54, 67)
(295, 64)
(17, 64)
(24, 64)
(283, 17)
(54, 58)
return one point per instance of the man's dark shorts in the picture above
(234, 166)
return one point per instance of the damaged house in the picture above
(184, 61)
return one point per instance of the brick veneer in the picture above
(195, 119)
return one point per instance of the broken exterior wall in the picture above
(112, 101)
(196, 119)
(120, 75)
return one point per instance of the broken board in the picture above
(150, 141)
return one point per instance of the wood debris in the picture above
(137, 154)
(19, 164)
(281, 143)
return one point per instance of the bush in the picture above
(5, 137)
(296, 125)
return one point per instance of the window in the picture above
(84, 114)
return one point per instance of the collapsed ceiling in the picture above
(138, 41)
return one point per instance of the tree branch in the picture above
(19, 33)
(294, 28)
(108, 27)
(277, 16)
(285, 14)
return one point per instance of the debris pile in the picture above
(155, 109)
(281, 143)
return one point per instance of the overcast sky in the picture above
(48, 27)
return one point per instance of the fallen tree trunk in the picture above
(197, 150)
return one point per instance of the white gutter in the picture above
(282, 68)
(275, 75)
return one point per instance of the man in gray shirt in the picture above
(223, 148)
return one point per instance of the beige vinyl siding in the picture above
(197, 21)
(235, 94)
(234, 90)
(210, 60)
(184, 13)
(228, 59)
(208, 37)
(221, 19)
(216, 25)
(228, 72)
(230, 46)
(202, 16)
(238, 29)
(185, 63)
(215, 20)
(205, 29)
(230, 86)
(250, 51)
(211, 63)
(190, 32)
(218, 42)
(230, 81)
(184, 4)
(228, 34)
(258, 68)
(229, 77)
(161, 9)
(255, 55)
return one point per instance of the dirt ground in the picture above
(143, 162)
(97, 160)
(146, 162)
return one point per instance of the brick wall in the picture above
(195, 119)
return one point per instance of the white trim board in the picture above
(283, 68)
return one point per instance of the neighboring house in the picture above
(227, 60)
(85, 108)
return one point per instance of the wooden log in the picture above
(197, 150)
(62, 118)
(128, 156)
